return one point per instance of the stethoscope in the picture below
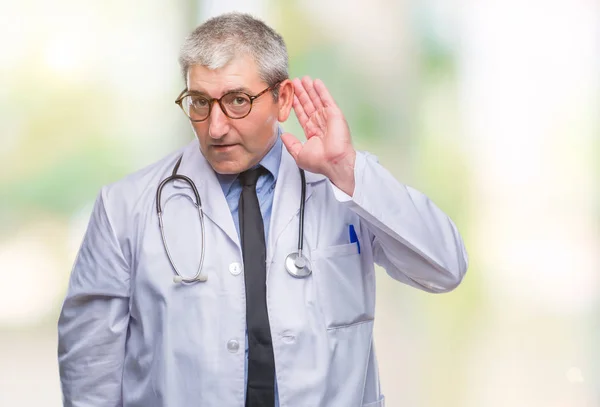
(296, 263)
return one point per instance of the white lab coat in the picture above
(129, 336)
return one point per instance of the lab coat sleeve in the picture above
(411, 238)
(93, 322)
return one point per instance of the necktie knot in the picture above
(250, 177)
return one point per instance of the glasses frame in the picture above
(212, 101)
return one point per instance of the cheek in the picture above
(271, 119)
(268, 120)
(257, 134)
(201, 132)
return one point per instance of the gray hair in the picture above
(220, 39)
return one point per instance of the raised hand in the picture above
(328, 148)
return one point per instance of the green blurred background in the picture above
(489, 107)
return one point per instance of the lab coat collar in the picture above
(214, 205)
(286, 203)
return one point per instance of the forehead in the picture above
(240, 72)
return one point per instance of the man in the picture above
(130, 336)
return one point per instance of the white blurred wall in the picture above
(520, 111)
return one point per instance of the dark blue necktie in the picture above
(261, 362)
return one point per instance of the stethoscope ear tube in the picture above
(179, 278)
(198, 202)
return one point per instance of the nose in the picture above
(218, 125)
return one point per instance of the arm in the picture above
(411, 238)
(93, 322)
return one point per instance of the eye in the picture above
(236, 100)
(239, 101)
(199, 102)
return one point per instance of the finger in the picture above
(312, 93)
(300, 113)
(316, 125)
(320, 119)
(303, 97)
(324, 94)
(293, 145)
(311, 130)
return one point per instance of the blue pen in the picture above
(353, 237)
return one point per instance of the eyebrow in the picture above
(204, 93)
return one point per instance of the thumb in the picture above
(293, 145)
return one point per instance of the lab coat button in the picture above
(288, 337)
(235, 268)
(233, 346)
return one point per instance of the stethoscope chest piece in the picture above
(297, 265)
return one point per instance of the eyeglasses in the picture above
(235, 105)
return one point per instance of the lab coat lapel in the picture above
(286, 202)
(214, 204)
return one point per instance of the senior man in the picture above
(273, 298)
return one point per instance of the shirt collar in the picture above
(270, 161)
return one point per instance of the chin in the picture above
(227, 167)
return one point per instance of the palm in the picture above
(327, 134)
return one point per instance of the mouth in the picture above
(223, 147)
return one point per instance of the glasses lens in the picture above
(196, 107)
(237, 105)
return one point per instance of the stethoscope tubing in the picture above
(198, 204)
(301, 226)
(299, 266)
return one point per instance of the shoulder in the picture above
(125, 195)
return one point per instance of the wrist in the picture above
(341, 173)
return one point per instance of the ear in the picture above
(286, 98)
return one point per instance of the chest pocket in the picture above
(345, 292)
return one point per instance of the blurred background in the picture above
(489, 107)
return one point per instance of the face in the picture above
(234, 145)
